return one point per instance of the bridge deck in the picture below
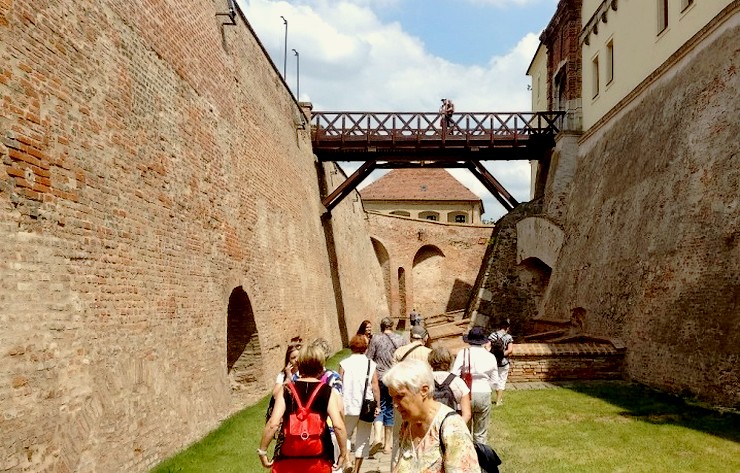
(410, 136)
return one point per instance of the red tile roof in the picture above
(418, 184)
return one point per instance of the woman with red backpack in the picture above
(304, 443)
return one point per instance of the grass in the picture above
(584, 427)
(612, 427)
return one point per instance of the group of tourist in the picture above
(398, 396)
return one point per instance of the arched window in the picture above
(401, 213)
(457, 217)
(429, 215)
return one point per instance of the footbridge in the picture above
(412, 139)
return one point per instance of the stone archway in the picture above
(243, 352)
(429, 284)
(385, 267)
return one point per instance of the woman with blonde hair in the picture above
(423, 445)
(327, 403)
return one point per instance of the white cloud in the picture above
(350, 60)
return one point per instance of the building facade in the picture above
(427, 194)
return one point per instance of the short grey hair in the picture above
(410, 374)
(324, 345)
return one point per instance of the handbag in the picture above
(367, 411)
(466, 373)
(488, 460)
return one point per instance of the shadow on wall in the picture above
(241, 333)
(459, 296)
(384, 261)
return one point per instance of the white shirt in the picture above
(483, 367)
(355, 369)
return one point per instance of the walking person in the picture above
(381, 350)
(360, 381)
(482, 368)
(288, 373)
(318, 398)
(424, 446)
(502, 345)
(366, 329)
(440, 359)
(446, 110)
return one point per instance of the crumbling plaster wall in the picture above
(652, 225)
(150, 167)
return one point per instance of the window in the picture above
(609, 61)
(402, 213)
(595, 76)
(686, 4)
(662, 15)
(459, 218)
(429, 215)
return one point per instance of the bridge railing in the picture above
(399, 125)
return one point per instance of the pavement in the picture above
(380, 463)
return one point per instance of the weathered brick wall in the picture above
(157, 205)
(361, 281)
(652, 250)
(440, 262)
(504, 288)
(568, 361)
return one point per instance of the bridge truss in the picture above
(411, 140)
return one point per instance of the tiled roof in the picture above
(418, 184)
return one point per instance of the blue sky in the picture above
(404, 55)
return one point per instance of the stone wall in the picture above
(504, 288)
(430, 266)
(162, 234)
(652, 219)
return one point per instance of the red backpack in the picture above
(304, 429)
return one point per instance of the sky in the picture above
(404, 56)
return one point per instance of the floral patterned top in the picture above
(426, 457)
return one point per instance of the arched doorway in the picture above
(243, 353)
(384, 261)
(430, 292)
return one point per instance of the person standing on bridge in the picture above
(446, 110)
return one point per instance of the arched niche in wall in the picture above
(429, 215)
(384, 261)
(535, 275)
(243, 353)
(402, 295)
(401, 213)
(537, 237)
(430, 288)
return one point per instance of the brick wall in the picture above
(439, 262)
(162, 239)
(652, 250)
(565, 361)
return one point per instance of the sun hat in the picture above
(476, 336)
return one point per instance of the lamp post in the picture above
(285, 47)
(297, 75)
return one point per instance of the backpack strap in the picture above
(409, 352)
(315, 392)
(441, 424)
(448, 380)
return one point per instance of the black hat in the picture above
(476, 336)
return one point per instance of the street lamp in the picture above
(285, 47)
(297, 75)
